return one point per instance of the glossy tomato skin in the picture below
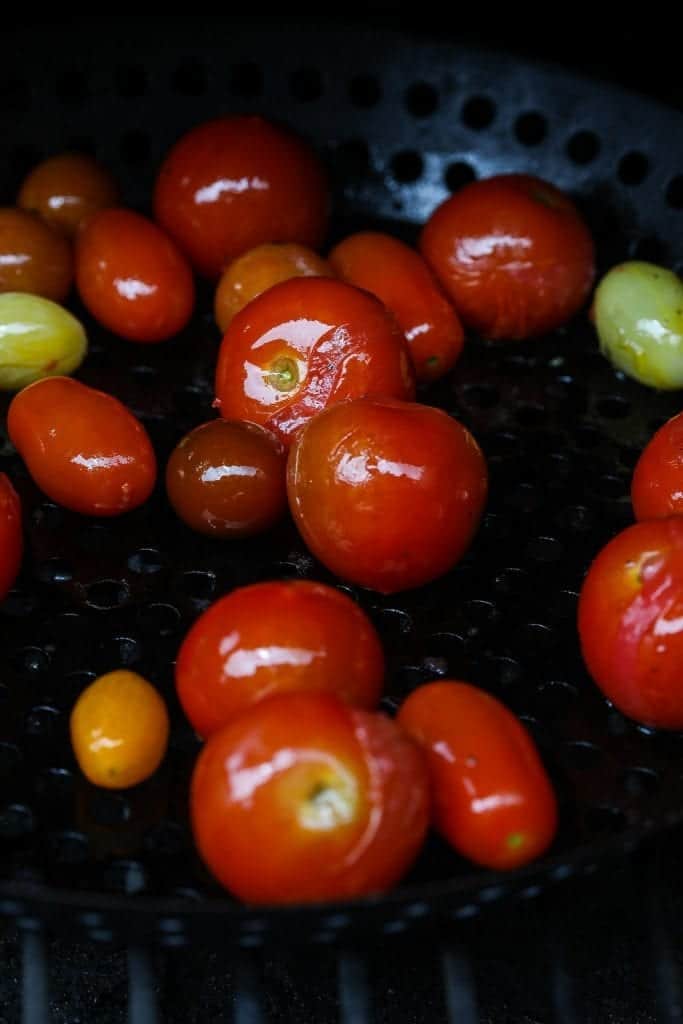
(66, 189)
(33, 257)
(302, 798)
(276, 637)
(513, 254)
(11, 535)
(235, 182)
(385, 493)
(492, 798)
(227, 479)
(132, 277)
(82, 447)
(630, 622)
(401, 279)
(303, 345)
(657, 485)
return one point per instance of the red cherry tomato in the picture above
(11, 537)
(513, 254)
(83, 448)
(66, 189)
(493, 800)
(271, 638)
(631, 622)
(233, 183)
(303, 345)
(132, 278)
(387, 494)
(302, 798)
(33, 257)
(398, 276)
(657, 485)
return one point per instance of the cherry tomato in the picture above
(387, 494)
(227, 479)
(302, 798)
(83, 448)
(33, 257)
(398, 276)
(258, 270)
(492, 798)
(303, 345)
(66, 189)
(513, 254)
(38, 339)
(132, 278)
(235, 182)
(657, 485)
(11, 536)
(119, 730)
(631, 622)
(274, 637)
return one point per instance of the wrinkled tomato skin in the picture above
(11, 535)
(630, 622)
(657, 485)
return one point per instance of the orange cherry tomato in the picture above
(398, 276)
(235, 182)
(119, 730)
(302, 798)
(66, 189)
(631, 622)
(387, 494)
(83, 448)
(657, 485)
(33, 257)
(275, 637)
(227, 479)
(132, 277)
(493, 800)
(303, 345)
(11, 536)
(512, 253)
(258, 270)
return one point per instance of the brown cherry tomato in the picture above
(387, 494)
(11, 536)
(258, 270)
(227, 479)
(631, 622)
(657, 485)
(82, 447)
(271, 638)
(492, 798)
(512, 253)
(302, 798)
(33, 257)
(399, 276)
(132, 277)
(235, 182)
(303, 345)
(66, 189)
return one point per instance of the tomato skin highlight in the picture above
(657, 484)
(492, 798)
(630, 622)
(11, 535)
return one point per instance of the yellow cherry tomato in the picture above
(119, 730)
(38, 339)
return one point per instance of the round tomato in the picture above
(303, 345)
(274, 637)
(513, 254)
(398, 276)
(11, 536)
(227, 479)
(66, 189)
(83, 448)
(657, 485)
(235, 182)
(33, 257)
(132, 278)
(387, 494)
(302, 798)
(492, 798)
(631, 622)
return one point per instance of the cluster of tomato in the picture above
(315, 386)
